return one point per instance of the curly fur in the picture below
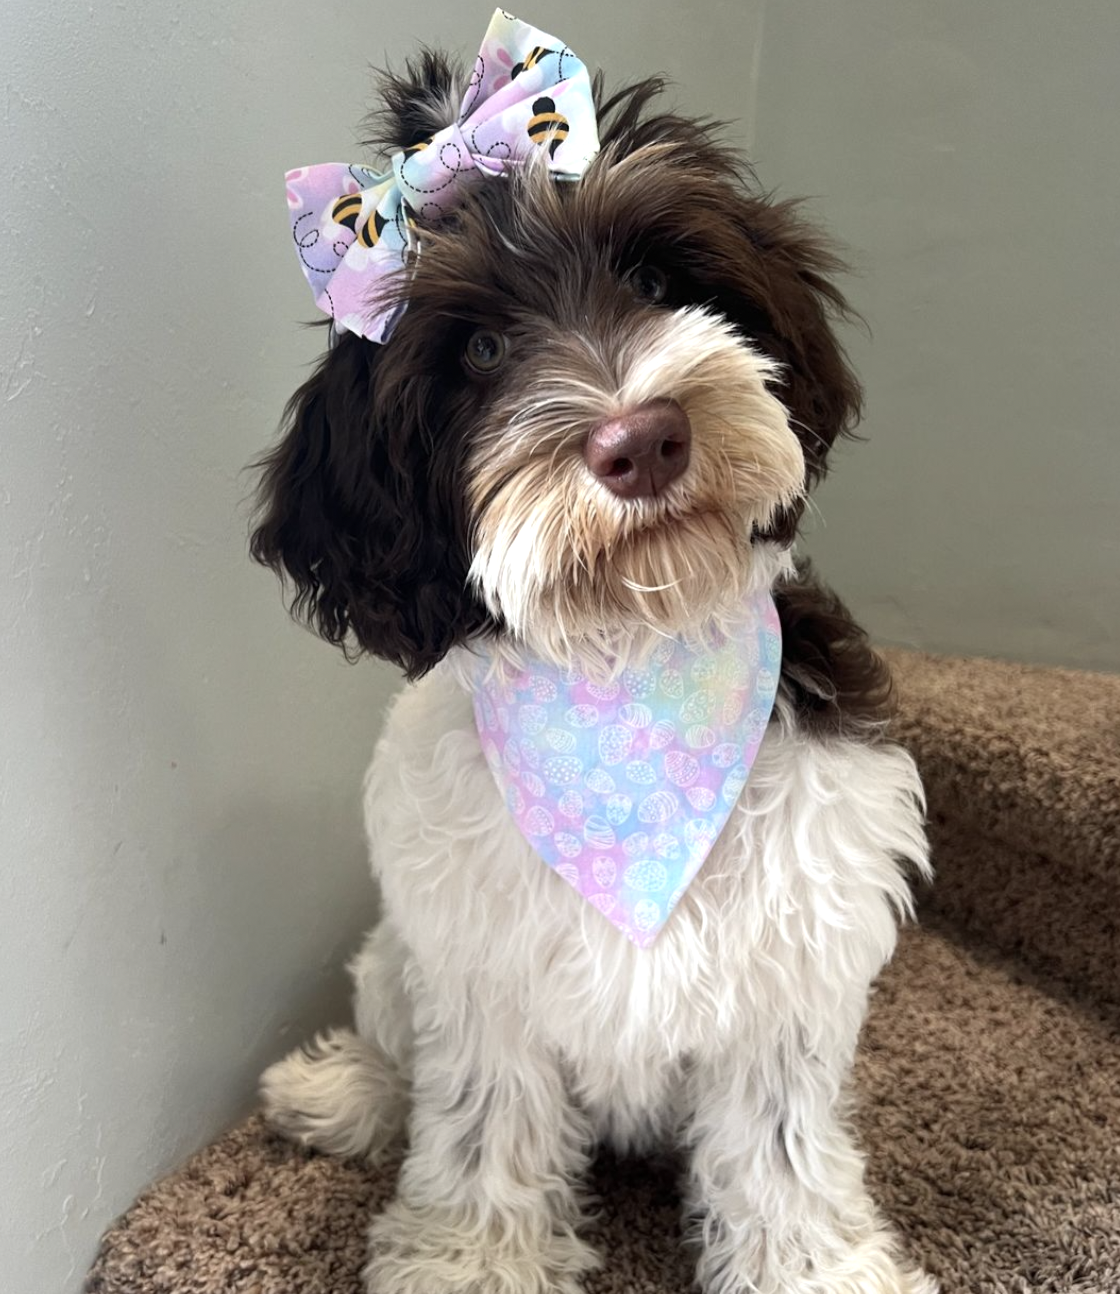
(416, 507)
(364, 499)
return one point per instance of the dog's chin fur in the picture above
(700, 608)
(418, 510)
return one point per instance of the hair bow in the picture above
(354, 229)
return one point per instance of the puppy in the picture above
(580, 443)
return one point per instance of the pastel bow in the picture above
(354, 229)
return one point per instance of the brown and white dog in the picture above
(594, 425)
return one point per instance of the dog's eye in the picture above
(648, 284)
(485, 350)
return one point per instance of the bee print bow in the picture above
(355, 230)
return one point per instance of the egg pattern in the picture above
(658, 807)
(701, 798)
(563, 770)
(568, 845)
(647, 917)
(599, 832)
(604, 870)
(647, 876)
(662, 734)
(538, 821)
(532, 719)
(560, 740)
(542, 688)
(532, 785)
(636, 715)
(603, 691)
(636, 845)
(667, 846)
(618, 808)
(623, 786)
(599, 781)
(681, 769)
(672, 684)
(664, 651)
(640, 772)
(615, 743)
(570, 805)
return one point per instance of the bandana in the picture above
(354, 229)
(622, 788)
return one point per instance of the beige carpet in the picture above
(989, 1077)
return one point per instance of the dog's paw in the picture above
(870, 1266)
(429, 1252)
(869, 1271)
(336, 1094)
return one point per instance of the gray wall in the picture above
(181, 862)
(181, 867)
(969, 154)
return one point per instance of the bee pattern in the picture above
(547, 124)
(348, 209)
(534, 56)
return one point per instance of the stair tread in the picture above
(987, 1101)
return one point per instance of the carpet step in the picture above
(1022, 772)
(986, 1102)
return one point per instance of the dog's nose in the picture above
(639, 453)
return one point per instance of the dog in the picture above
(586, 437)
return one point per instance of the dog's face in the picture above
(600, 397)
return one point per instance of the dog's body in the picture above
(499, 1016)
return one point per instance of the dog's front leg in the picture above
(776, 1182)
(489, 1196)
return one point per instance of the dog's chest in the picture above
(792, 904)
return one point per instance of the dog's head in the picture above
(602, 397)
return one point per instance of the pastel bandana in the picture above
(623, 788)
(354, 229)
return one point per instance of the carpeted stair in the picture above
(988, 1078)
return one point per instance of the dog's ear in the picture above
(791, 306)
(356, 514)
(756, 260)
(415, 103)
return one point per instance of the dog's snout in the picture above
(637, 454)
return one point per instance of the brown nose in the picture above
(637, 454)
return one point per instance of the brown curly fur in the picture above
(362, 500)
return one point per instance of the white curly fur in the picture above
(526, 1029)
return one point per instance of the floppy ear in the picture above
(763, 266)
(801, 305)
(359, 515)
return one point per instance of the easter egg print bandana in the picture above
(623, 787)
(354, 229)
